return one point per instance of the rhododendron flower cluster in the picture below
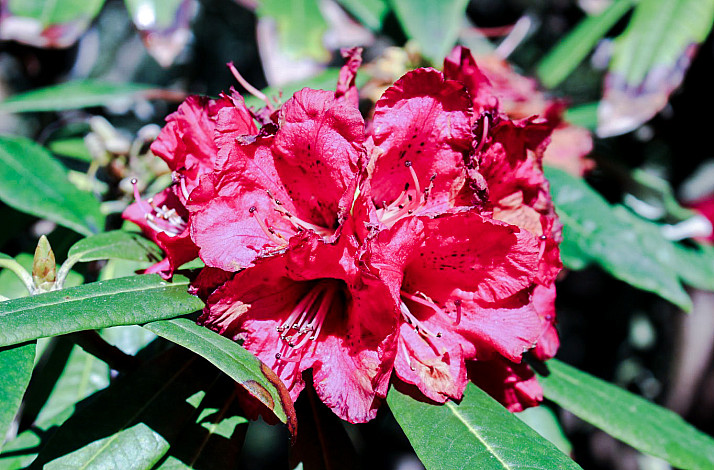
(419, 248)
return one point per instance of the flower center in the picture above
(408, 202)
(305, 322)
(160, 219)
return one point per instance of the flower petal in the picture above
(422, 122)
(513, 385)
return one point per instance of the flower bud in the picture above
(44, 268)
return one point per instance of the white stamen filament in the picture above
(159, 219)
(406, 203)
(305, 322)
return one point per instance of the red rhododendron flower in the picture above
(421, 242)
(313, 306)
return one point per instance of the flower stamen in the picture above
(407, 203)
(250, 88)
(160, 219)
(269, 231)
(305, 322)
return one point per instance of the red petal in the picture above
(513, 385)
(544, 303)
(346, 81)
(318, 151)
(470, 253)
(424, 120)
(186, 142)
(461, 66)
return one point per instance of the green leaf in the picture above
(300, 26)
(370, 12)
(71, 148)
(622, 244)
(433, 25)
(136, 448)
(650, 59)
(545, 422)
(570, 51)
(15, 369)
(236, 362)
(479, 433)
(124, 301)
(69, 18)
(158, 394)
(32, 181)
(51, 13)
(635, 421)
(116, 244)
(75, 95)
(215, 437)
(83, 375)
(584, 115)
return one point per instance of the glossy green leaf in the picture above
(158, 394)
(650, 59)
(123, 301)
(28, 21)
(479, 433)
(371, 13)
(572, 50)
(32, 181)
(612, 237)
(136, 448)
(215, 436)
(83, 375)
(545, 422)
(635, 421)
(433, 25)
(15, 369)
(300, 26)
(236, 362)
(116, 244)
(75, 95)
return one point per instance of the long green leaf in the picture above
(300, 26)
(370, 12)
(15, 369)
(215, 438)
(433, 25)
(228, 356)
(569, 52)
(476, 434)
(83, 375)
(124, 301)
(635, 421)
(116, 244)
(66, 20)
(75, 95)
(625, 246)
(32, 181)
(650, 59)
(136, 448)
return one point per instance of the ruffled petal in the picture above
(513, 385)
(421, 127)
